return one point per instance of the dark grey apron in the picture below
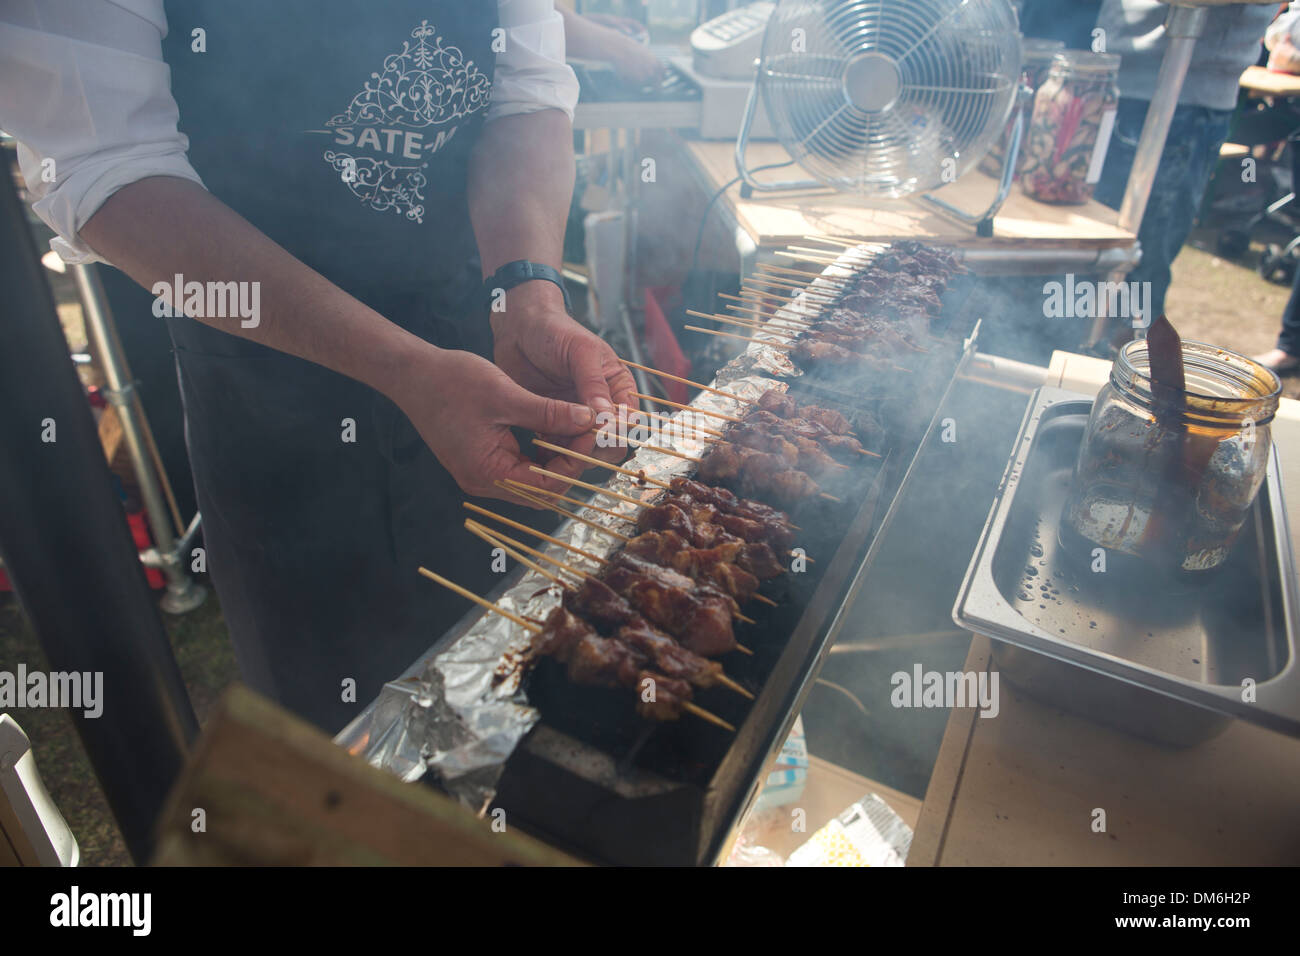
(313, 542)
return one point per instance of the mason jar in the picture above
(1036, 59)
(1074, 115)
(1171, 482)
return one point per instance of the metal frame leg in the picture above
(183, 593)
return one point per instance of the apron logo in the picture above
(406, 112)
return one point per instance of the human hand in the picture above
(543, 349)
(621, 45)
(463, 407)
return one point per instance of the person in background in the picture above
(1283, 42)
(611, 40)
(1135, 29)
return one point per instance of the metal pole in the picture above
(183, 592)
(68, 550)
(1183, 26)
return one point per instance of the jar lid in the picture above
(1039, 51)
(1085, 61)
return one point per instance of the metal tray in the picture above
(1196, 643)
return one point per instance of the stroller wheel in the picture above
(1275, 266)
(1232, 243)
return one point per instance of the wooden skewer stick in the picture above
(607, 492)
(551, 506)
(771, 314)
(576, 572)
(601, 464)
(753, 302)
(687, 381)
(784, 281)
(766, 281)
(764, 319)
(845, 242)
(801, 273)
(482, 602)
(510, 485)
(852, 255)
(827, 260)
(699, 411)
(670, 422)
(533, 531)
(728, 320)
(711, 718)
(796, 278)
(744, 338)
(819, 303)
(481, 531)
(749, 293)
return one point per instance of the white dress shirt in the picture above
(83, 83)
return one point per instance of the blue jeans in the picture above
(1289, 338)
(1188, 161)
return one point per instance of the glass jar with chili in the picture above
(1074, 114)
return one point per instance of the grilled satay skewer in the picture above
(582, 576)
(765, 473)
(741, 584)
(813, 351)
(700, 614)
(665, 653)
(591, 659)
(741, 528)
(773, 400)
(675, 700)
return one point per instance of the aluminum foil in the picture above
(462, 717)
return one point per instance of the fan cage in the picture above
(889, 97)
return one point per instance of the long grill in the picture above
(595, 779)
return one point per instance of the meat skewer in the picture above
(717, 565)
(765, 472)
(664, 653)
(700, 614)
(590, 660)
(814, 351)
(582, 576)
(770, 533)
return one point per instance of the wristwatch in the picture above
(517, 273)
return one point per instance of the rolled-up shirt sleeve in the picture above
(87, 95)
(531, 74)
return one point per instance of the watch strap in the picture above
(520, 271)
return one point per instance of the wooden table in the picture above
(1022, 789)
(773, 221)
(1265, 82)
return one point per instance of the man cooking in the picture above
(340, 164)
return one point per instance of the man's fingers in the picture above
(622, 385)
(546, 416)
(587, 367)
